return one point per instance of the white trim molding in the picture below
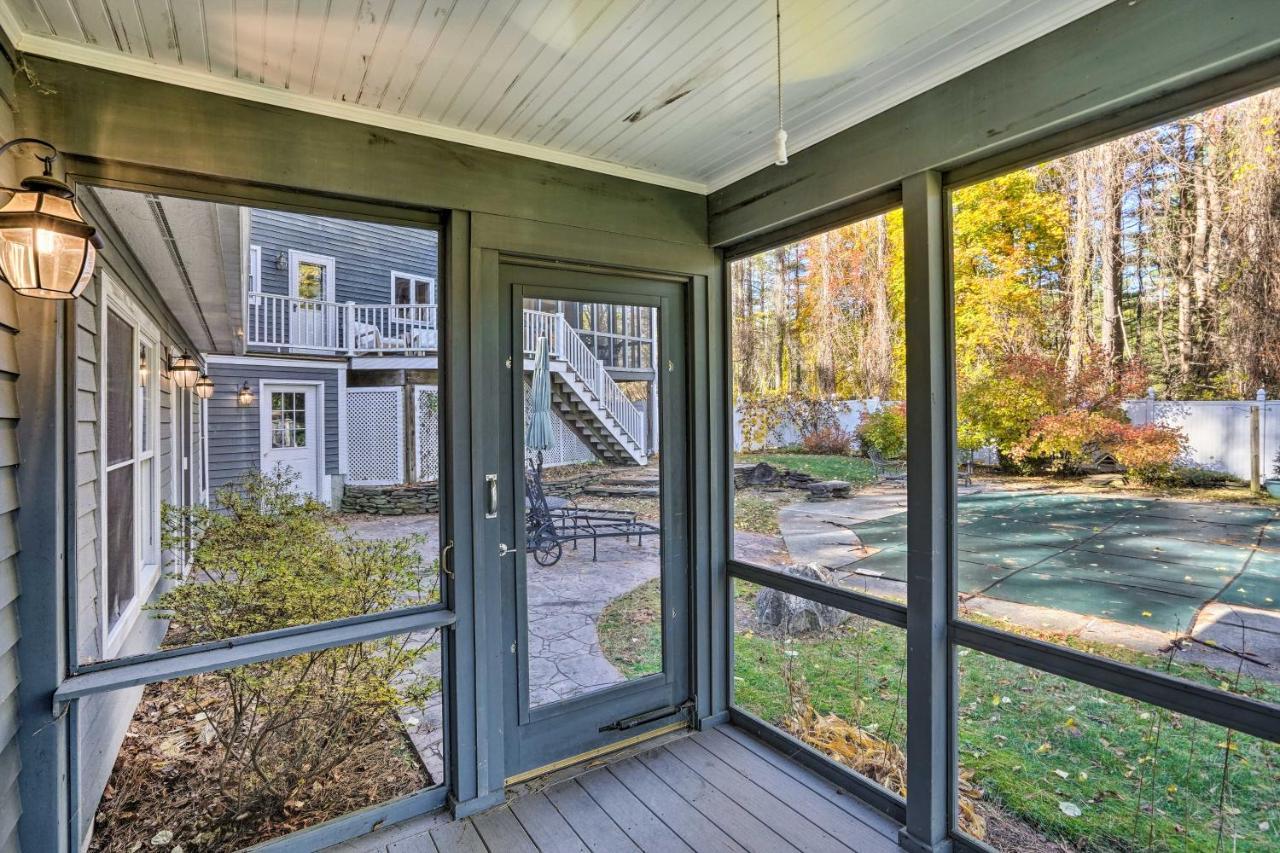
(337, 363)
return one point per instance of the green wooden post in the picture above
(930, 515)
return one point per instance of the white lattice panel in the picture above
(375, 436)
(569, 448)
(426, 437)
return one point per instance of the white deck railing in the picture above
(564, 345)
(312, 325)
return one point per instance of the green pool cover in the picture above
(1143, 562)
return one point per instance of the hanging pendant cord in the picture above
(778, 41)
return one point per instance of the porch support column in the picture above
(42, 475)
(930, 510)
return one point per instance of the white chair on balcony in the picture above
(369, 338)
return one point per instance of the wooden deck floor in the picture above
(717, 790)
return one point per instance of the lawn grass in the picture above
(1142, 777)
(630, 630)
(1038, 745)
(851, 469)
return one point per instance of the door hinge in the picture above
(651, 716)
(508, 362)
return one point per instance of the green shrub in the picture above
(264, 558)
(886, 431)
(1186, 477)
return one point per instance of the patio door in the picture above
(313, 318)
(593, 505)
(289, 434)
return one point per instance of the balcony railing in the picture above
(311, 325)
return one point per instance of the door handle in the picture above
(503, 550)
(490, 495)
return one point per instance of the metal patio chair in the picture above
(551, 522)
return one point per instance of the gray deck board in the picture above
(830, 791)
(499, 830)
(736, 822)
(802, 832)
(592, 823)
(717, 791)
(545, 825)
(831, 815)
(677, 813)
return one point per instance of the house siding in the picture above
(365, 253)
(101, 721)
(234, 445)
(10, 760)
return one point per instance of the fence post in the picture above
(1255, 450)
(349, 332)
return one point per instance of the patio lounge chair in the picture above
(885, 470)
(550, 522)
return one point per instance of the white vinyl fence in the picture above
(1217, 431)
(850, 414)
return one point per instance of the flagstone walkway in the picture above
(564, 603)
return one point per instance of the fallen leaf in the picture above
(1069, 809)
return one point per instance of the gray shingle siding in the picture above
(234, 446)
(365, 253)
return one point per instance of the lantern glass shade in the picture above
(246, 395)
(204, 387)
(184, 371)
(46, 247)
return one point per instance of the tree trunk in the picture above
(1078, 266)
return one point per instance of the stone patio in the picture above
(564, 603)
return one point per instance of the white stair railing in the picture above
(565, 345)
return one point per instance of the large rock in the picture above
(791, 614)
(828, 490)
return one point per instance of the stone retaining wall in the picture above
(412, 499)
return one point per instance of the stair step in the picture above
(623, 491)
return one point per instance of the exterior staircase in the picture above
(584, 393)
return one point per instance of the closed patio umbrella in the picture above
(538, 436)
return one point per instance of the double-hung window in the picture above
(409, 289)
(129, 436)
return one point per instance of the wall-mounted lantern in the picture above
(245, 396)
(184, 371)
(282, 263)
(204, 386)
(46, 248)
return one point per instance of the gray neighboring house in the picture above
(338, 375)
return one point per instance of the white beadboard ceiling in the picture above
(676, 92)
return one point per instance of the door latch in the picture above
(490, 495)
(503, 550)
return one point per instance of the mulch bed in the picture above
(164, 793)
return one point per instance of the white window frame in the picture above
(414, 280)
(146, 566)
(330, 264)
(253, 286)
